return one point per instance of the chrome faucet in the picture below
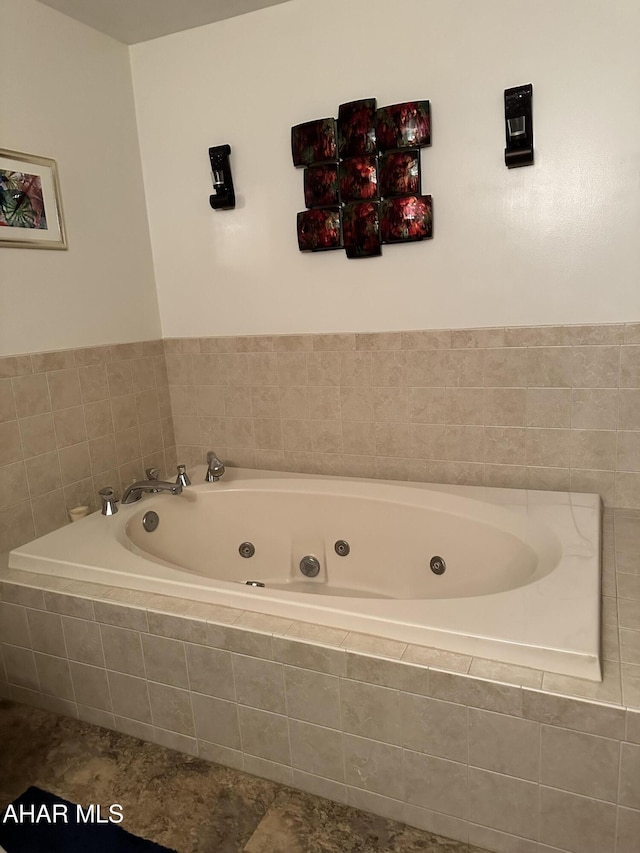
(109, 501)
(134, 492)
(183, 477)
(215, 468)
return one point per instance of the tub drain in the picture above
(342, 547)
(310, 566)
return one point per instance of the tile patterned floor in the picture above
(185, 803)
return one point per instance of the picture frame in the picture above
(30, 202)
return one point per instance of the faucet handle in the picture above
(183, 477)
(109, 501)
(152, 473)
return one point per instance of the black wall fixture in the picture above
(224, 197)
(518, 126)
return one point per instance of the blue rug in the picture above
(39, 822)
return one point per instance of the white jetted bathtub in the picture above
(503, 574)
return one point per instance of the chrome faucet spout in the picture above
(135, 491)
(215, 468)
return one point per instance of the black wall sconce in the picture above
(518, 126)
(224, 197)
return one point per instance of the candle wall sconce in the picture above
(518, 122)
(224, 197)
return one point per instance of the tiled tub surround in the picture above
(512, 759)
(72, 422)
(555, 407)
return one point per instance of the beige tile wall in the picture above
(72, 422)
(545, 407)
(554, 407)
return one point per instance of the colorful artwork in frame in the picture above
(321, 185)
(319, 229)
(357, 128)
(406, 219)
(30, 207)
(399, 173)
(361, 229)
(314, 142)
(358, 179)
(405, 125)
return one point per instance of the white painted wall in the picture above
(558, 242)
(66, 94)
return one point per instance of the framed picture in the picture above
(30, 205)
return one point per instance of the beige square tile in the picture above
(64, 388)
(210, 671)
(7, 403)
(549, 407)
(464, 406)
(548, 448)
(233, 369)
(122, 650)
(504, 744)
(333, 341)
(267, 434)
(434, 727)
(505, 445)
(426, 339)
(31, 394)
(628, 451)
(549, 367)
(593, 449)
(371, 711)
(630, 367)
(16, 526)
(38, 434)
(503, 803)
(436, 783)
(49, 512)
(324, 402)
(465, 443)
(464, 367)
(357, 403)
(259, 683)
(375, 767)
(292, 369)
(129, 696)
(427, 405)
(580, 763)
(98, 419)
(90, 685)
(630, 775)
(263, 403)
(123, 410)
(576, 823)
(94, 384)
(355, 368)
(74, 463)
(128, 445)
(359, 437)
(10, 444)
(121, 616)
(602, 333)
(629, 408)
(596, 367)
(628, 830)
(312, 696)
(486, 337)
(20, 667)
(326, 436)
(216, 721)
(389, 368)
(54, 676)
(426, 369)
(13, 485)
(264, 735)
(505, 406)
(317, 750)
(294, 402)
(594, 408)
(15, 365)
(46, 632)
(379, 340)
(505, 367)
(83, 640)
(69, 426)
(627, 492)
(43, 474)
(171, 708)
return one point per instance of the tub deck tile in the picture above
(506, 673)
(376, 646)
(427, 656)
(607, 690)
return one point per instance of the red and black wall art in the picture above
(362, 181)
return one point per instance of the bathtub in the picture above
(503, 574)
